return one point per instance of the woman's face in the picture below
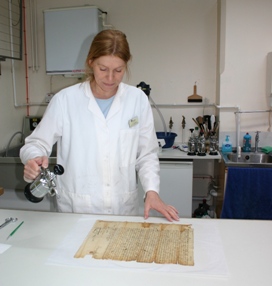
(108, 73)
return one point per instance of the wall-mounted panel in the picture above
(68, 36)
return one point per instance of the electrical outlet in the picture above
(48, 97)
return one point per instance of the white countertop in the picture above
(246, 247)
(171, 153)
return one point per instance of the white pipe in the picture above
(36, 37)
(31, 32)
(253, 111)
(200, 198)
(12, 60)
(16, 105)
(238, 124)
(104, 16)
(160, 114)
(10, 140)
(269, 122)
(226, 107)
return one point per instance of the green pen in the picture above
(11, 234)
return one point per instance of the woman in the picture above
(105, 133)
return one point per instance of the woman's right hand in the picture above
(33, 167)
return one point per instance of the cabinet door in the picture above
(175, 188)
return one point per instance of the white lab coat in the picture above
(100, 155)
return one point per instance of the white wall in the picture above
(246, 42)
(173, 45)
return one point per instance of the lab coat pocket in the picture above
(131, 203)
(128, 144)
(72, 202)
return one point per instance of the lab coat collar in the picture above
(116, 104)
(93, 106)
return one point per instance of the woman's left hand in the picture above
(153, 201)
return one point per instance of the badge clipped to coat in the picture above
(133, 121)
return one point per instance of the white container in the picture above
(68, 35)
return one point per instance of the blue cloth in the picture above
(248, 194)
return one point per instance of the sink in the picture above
(14, 152)
(248, 159)
(12, 169)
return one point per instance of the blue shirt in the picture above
(104, 104)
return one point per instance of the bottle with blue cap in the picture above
(227, 145)
(247, 143)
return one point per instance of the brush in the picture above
(197, 124)
(199, 119)
(195, 97)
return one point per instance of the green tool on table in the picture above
(11, 234)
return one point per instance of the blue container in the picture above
(169, 138)
(247, 143)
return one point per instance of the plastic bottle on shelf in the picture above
(196, 132)
(247, 143)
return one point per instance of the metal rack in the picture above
(11, 30)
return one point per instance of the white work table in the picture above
(246, 247)
(176, 154)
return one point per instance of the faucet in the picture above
(257, 140)
(239, 152)
(10, 140)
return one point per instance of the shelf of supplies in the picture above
(173, 105)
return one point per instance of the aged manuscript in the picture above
(141, 242)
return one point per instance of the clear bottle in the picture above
(160, 147)
(213, 145)
(192, 144)
(201, 145)
(196, 132)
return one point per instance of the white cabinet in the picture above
(68, 35)
(176, 187)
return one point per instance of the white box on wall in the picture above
(68, 36)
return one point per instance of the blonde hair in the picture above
(107, 43)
